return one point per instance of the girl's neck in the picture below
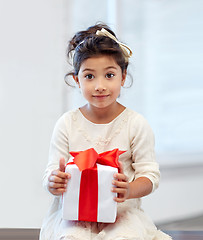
(102, 115)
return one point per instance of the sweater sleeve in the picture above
(143, 155)
(59, 146)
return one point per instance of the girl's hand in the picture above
(121, 184)
(58, 179)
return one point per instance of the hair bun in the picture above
(80, 36)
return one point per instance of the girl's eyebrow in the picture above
(92, 70)
(88, 69)
(110, 67)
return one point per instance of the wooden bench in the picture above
(33, 234)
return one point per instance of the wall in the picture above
(179, 195)
(31, 79)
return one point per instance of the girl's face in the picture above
(100, 79)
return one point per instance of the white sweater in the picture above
(129, 132)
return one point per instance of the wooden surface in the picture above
(33, 234)
(19, 234)
(185, 235)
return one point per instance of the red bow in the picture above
(88, 158)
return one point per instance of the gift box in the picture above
(89, 196)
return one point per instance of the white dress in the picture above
(129, 132)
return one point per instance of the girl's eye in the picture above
(89, 76)
(109, 75)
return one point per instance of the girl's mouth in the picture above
(100, 96)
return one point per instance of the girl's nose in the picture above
(100, 86)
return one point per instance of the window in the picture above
(166, 67)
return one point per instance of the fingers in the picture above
(56, 185)
(62, 165)
(58, 179)
(57, 191)
(120, 167)
(120, 177)
(119, 200)
(121, 185)
(121, 188)
(122, 193)
(60, 174)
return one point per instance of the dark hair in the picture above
(86, 44)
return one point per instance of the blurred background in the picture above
(166, 38)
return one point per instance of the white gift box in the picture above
(78, 206)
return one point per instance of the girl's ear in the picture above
(75, 77)
(123, 78)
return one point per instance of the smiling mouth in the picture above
(100, 96)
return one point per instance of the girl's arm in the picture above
(146, 169)
(140, 187)
(55, 177)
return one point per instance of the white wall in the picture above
(33, 95)
(179, 195)
(31, 79)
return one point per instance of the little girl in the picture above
(100, 64)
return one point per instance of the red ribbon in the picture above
(86, 162)
(88, 158)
